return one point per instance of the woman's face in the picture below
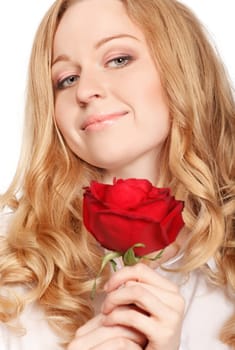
(109, 102)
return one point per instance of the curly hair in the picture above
(47, 248)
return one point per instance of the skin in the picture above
(103, 76)
(154, 322)
(161, 305)
(96, 77)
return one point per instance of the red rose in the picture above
(132, 211)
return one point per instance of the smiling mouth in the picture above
(95, 122)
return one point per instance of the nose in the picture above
(90, 87)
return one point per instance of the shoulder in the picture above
(207, 308)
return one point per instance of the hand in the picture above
(158, 311)
(95, 336)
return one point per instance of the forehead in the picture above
(91, 20)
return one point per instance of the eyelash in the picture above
(126, 58)
(60, 84)
(71, 79)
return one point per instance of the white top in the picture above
(207, 308)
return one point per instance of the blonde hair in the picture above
(47, 248)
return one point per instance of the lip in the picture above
(97, 120)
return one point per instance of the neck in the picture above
(141, 168)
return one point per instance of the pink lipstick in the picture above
(98, 121)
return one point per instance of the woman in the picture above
(124, 89)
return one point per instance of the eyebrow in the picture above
(109, 38)
(98, 44)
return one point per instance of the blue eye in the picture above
(67, 82)
(119, 62)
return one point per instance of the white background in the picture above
(18, 23)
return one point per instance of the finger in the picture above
(141, 273)
(102, 334)
(172, 299)
(154, 330)
(117, 344)
(90, 325)
(137, 295)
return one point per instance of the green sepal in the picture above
(129, 258)
(114, 265)
(109, 257)
(156, 257)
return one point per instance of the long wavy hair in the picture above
(46, 248)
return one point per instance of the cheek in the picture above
(156, 98)
(63, 115)
(155, 92)
(155, 116)
(143, 87)
(151, 102)
(59, 111)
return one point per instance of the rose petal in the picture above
(132, 211)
